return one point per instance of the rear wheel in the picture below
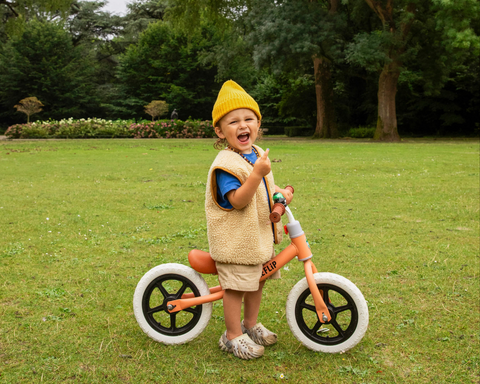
(348, 310)
(165, 283)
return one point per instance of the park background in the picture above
(390, 68)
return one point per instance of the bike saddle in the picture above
(202, 262)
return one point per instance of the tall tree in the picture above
(89, 24)
(14, 13)
(288, 34)
(433, 35)
(101, 34)
(141, 13)
(294, 34)
(165, 64)
(43, 63)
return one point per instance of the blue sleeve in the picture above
(225, 183)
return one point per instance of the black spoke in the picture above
(173, 321)
(156, 309)
(316, 327)
(192, 310)
(162, 289)
(337, 310)
(181, 291)
(308, 306)
(337, 327)
(326, 299)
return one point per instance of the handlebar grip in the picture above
(290, 188)
(277, 212)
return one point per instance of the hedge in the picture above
(99, 128)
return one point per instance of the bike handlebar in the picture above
(279, 209)
(277, 212)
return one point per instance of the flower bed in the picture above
(173, 129)
(99, 128)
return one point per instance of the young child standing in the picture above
(239, 197)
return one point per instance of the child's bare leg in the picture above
(234, 340)
(232, 312)
(257, 332)
(251, 308)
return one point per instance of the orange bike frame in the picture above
(298, 247)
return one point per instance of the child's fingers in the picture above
(265, 154)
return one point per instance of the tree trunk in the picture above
(387, 115)
(326, 121)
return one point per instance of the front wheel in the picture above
(348, 310)
(165, 283)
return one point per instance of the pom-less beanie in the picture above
(232, 96)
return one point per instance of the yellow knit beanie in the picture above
(232, 96)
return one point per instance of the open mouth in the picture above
(244, 137)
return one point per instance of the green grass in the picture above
(83, 220)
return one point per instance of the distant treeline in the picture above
(309, 64)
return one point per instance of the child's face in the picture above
(240, 128)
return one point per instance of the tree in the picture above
(288, 35)
(156, 108)
(89, 24)
(14, 13)
(140, 14)
(29, 106)
(429, 35)
(165, 64)
(300, 36)
(44, 62)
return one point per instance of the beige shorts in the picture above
(244, 278)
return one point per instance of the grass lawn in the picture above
(83, 220)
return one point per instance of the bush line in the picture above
(99, 128)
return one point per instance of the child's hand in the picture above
(263, 166)
(287, 194)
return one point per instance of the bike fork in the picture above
(320, 307)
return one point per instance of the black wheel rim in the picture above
(163, 289)
(344, 316)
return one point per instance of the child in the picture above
(239, 195)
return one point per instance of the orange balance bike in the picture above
(325, 312)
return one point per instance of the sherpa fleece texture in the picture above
(240, 236)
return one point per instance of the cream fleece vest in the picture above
(240, 236)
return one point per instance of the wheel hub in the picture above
(165, 305)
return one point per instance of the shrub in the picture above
(98, 128)
(14, 131)
(299, 131)
(35, 131)
(89, 128)
(144, 130)
(175, 129)
(70, 128)
(361, 132)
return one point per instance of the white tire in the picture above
(164, 283)
(346, 305)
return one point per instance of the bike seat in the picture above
(202, 262)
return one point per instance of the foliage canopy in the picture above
(29, 106)
(294, 56)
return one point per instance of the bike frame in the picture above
(298, 247)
